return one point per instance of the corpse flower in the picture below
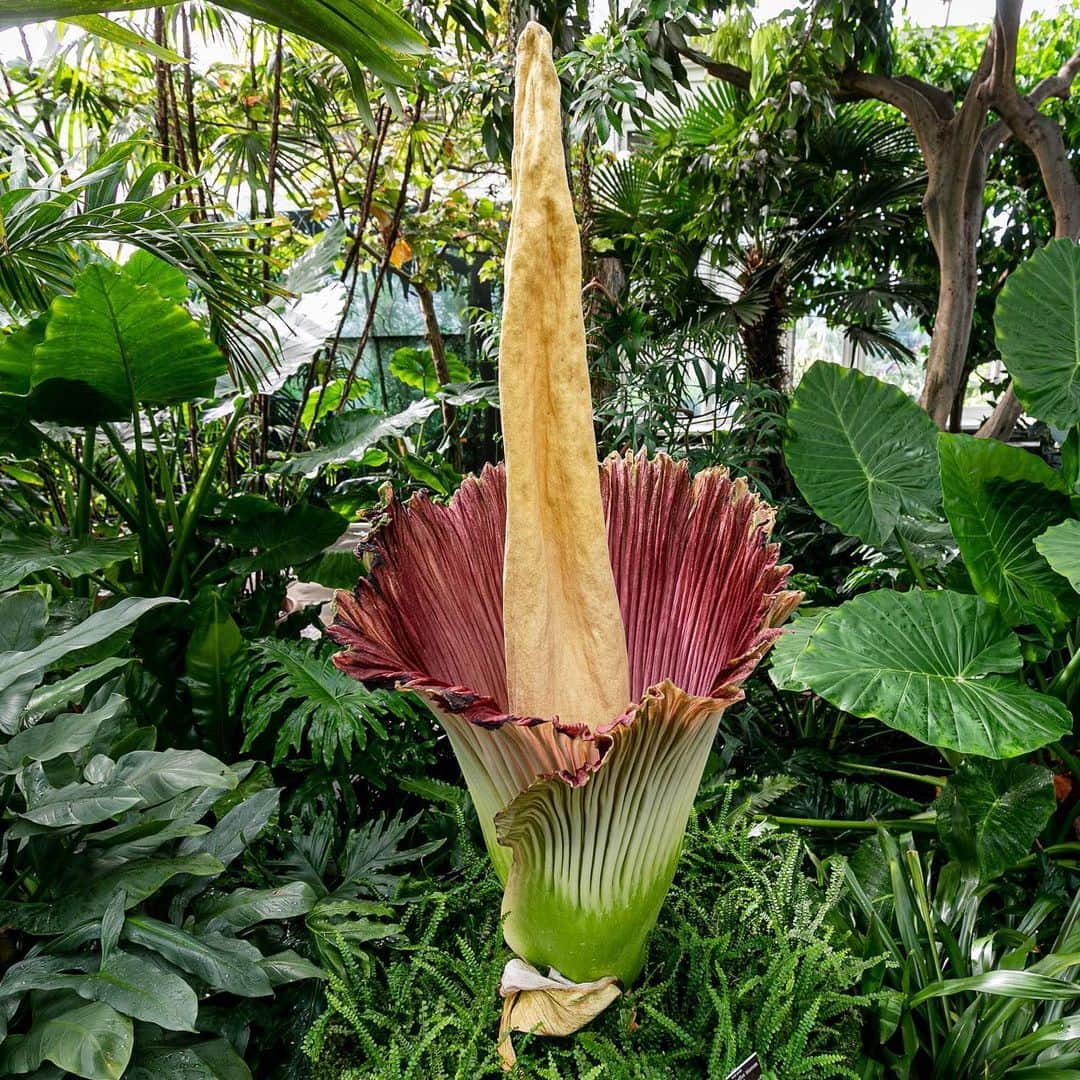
(576, 630)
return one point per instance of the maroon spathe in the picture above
(699, 587)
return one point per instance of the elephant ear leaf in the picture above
(1037, 323)
(862, 452)
(990, 812)
(999, 499)
(1060, 547)
(115, 345)
(941, 666)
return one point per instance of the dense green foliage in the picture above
(748, 957)
(246, 282)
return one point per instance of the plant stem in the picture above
(197, 499)
(81, 529)
(1062, 683)
(926, 824)
(1072, 763)
(122, 506)
(877, 770)
(916, 570)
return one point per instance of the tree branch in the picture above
(730, 73)
(920, 103)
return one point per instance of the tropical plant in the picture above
(364, 33)
(744, 960)
(324, 724)
(976, 979)
(940, 663)
(124, 937)
(557, 713)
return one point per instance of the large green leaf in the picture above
(158, 775)
(146, 269)
(243, 908)
(349, 436)
(80, 804)
(363, 33)
(21, 556)
(23, 616)
(282, 539)
(64, 735)
(790, 647)
(69, 691)
(214, 643)
(92, 1041)
(139, 879)
(990, 812)
(223, 963)
(1060, 547)
(1038, 332)
(861, 451)
(114, 345)
(214, 1059)
(999, 499)
(142, 990)
(98, 627)
(938, 665)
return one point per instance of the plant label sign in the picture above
(750, 1069)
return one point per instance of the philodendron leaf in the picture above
(1060, 547)
(941, 666)
(21, 556)
(1037, 321)
(92, 1041)
(861, 451)
(999, 499)
(990, 812)
(115, 345)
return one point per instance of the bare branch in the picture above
(1059, 85)
(907, 95)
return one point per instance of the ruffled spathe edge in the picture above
(700, 589)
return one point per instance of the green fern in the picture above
(745, 959)
(292, 686)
